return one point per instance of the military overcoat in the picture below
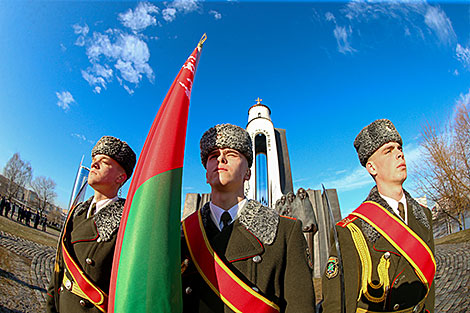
(266, 251)
(406, 290)
(91, 242)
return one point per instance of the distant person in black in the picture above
(13, 206)
(36, 220)
(27, 216)
(44, 223)
(2, 205)
(19, 217)
(7, 207)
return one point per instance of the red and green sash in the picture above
(403, 238)
(87, 288)
(232, 290)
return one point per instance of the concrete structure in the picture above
(272, 143)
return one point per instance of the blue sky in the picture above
(73, 71)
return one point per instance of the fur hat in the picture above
(374, 136)
(226, 136)
(118, 150)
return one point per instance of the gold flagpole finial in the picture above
(201, 42)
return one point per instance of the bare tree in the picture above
(443, 173)
(19, 174)
(44, 187)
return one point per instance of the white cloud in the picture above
(81, 30)
(216, 14)
(65, 99)
(330, 17)
(140, 18)
(413, 154)
(463, 55)
(169, 14)
(98, 75)
(185, 6)
(180, 6)
(417, 18)
(438, 21)
(357, 178)
(464, 99)
(81, 137)
(127, 53)
(342, 35)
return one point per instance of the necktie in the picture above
(401, 210)
(225, 219)
(93, 209)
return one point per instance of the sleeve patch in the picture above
(331, 267)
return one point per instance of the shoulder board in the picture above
(345, 221)
(289, 217)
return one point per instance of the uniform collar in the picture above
(216, 212)
(394, 205)
(101, 204)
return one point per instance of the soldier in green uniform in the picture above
(265, 252)
(90, 233)
(379, 275)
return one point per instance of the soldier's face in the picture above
(388, 164)
(105, 171)
(227, 169)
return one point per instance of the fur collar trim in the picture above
(413, 207)
(261, 221)
(107, 220)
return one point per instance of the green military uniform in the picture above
(266, 251)
(91, 242)
(406, 289)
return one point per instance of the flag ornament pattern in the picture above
(146, 274)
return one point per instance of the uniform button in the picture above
(255, 289)
(99, 239)
(257, 259)
(89, 261)
(188, 290)
(61, 289)
(68, 284)
(396, 307)
(387, 255)
(82, 302)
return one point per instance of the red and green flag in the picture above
(146, 273)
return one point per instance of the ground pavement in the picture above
(24, 288)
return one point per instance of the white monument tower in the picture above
(270, 143)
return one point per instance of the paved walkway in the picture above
(30, 267)
(452, 276)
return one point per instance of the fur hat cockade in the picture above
(118, 150)
(373, 136)
(226, 136)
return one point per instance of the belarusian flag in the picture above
(146, 273)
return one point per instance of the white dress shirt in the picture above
(216, 212)
(394, 205)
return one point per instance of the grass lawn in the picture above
(48, 238)
(461, 236)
